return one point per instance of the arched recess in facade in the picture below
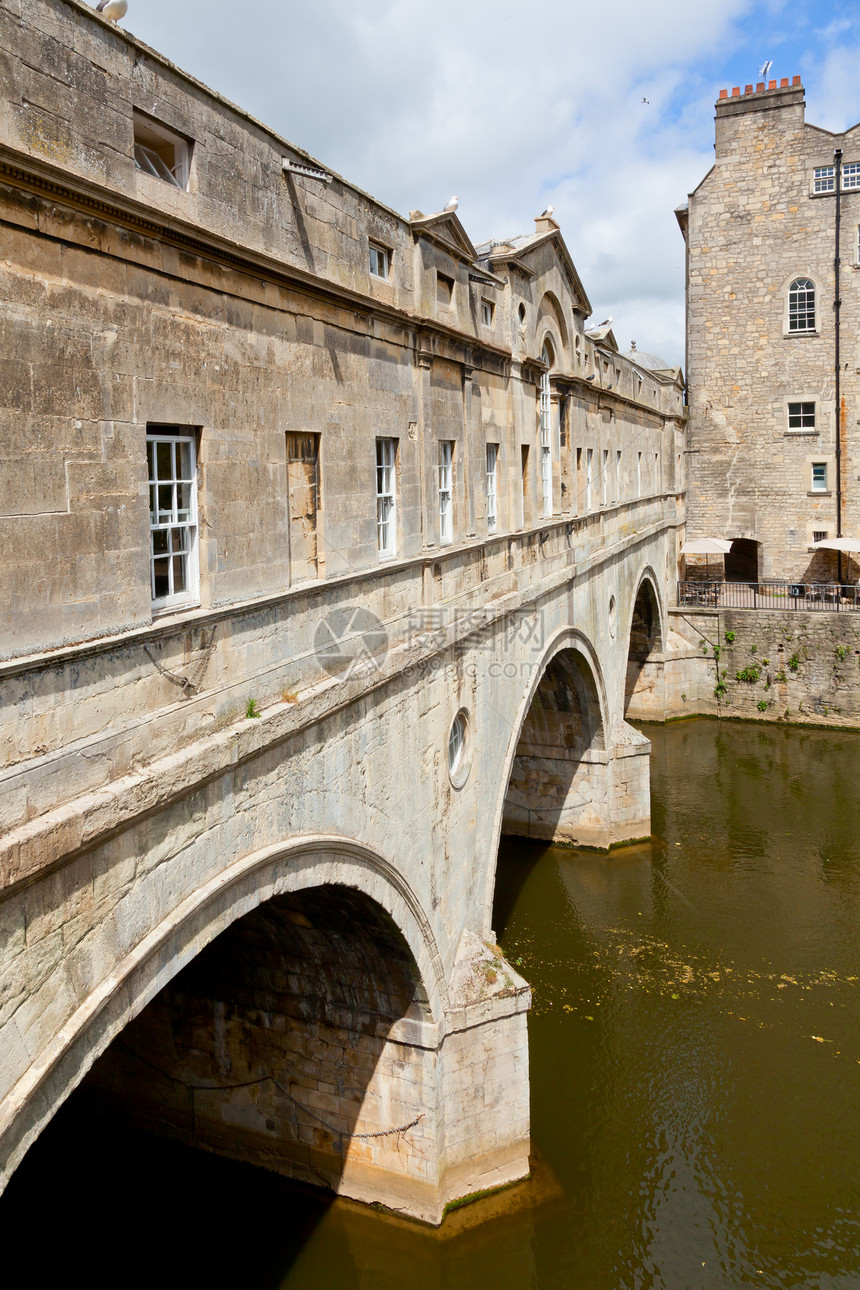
(310, 894)
(554, 779)
(646, 640)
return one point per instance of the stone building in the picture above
(251, 419)
(772, 337)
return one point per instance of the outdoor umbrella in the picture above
(848, 545)
(707, 546)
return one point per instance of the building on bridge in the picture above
(334, 546)
(772, 358)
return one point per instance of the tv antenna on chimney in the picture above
(764, 70)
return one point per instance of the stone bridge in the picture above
(287, 923)
(265, 717)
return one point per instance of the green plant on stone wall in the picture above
(842, 652)
(252, 709)
(794, 662)
(717, 653)
(730, 636)
(765, 662)
(750, 674)
(762, 705)
(720, 689)
(780, 678)
(753, 649)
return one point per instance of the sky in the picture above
(603, 111)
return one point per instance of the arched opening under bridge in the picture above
(557, 786)
(641, 700)
(278, 1045)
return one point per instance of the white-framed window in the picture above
(160, 152)
(819, 477)
(604, 479)
(851, 175)
(492, 487)
(380, 260)
(487, 311)
(386, 498)
(618, 474)
(801, 416)
(589, 476)
(801, 305)
(446, 491)
(639, 475)
(174, 572)
(824, 180)
(545, 436)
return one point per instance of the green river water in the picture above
(695, 1073)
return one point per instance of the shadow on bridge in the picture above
(270, 1047)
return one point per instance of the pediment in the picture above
(525, 254)
(445, 229)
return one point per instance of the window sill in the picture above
(800, 335)
(819, 493)
(163, 608)
(800, 434)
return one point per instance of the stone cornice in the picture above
(29, 174)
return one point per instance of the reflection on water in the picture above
(695, 1054)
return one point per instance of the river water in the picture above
(695, 1069)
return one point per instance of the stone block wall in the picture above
(755, 224)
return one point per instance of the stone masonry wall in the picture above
(801, 667)
(755, 225)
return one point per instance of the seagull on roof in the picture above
(112, 9)
(452, 204)
(547, 213)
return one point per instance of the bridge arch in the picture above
(645, 638)
(304, 864)
(559, 733)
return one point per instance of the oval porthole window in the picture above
(458, 749)
(613, 613)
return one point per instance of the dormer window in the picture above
(444, 290)
(380, 260)
(161, 152)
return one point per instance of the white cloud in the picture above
(508, 109)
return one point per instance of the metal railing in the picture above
(767, 594)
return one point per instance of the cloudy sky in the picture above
(603, 110)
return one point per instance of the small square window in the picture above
(825, 179)
(161, 152)
(819, 535)
(851, 175)
(444, 290)
(487, 311)
(801, 416)
(380, 261)
(819, 477)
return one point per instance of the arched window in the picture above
(801, 305)
(545, 435)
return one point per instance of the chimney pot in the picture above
(783, 83)
(736, 91)
(759, 86)
(748, 89)
(724, 94)
(771, 85)
(795, 80)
